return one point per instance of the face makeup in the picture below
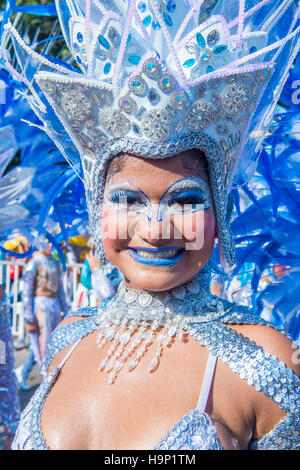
(164, 256)
(158, 225)
(124, 196)
(185, 196)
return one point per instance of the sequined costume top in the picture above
(9, 399)
(42, 277)
(211, 328)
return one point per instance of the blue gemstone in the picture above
(134, 59)
(155, 25)
(219, 49)
(142, 7)
(252, 50)
(167, 19)
(200, 40)
(107, 68)
(136, 129)
(188, 63)
(79, 37)
(153, 96)
(103, 42)
(209, 69)
(78, 60)
(147, 20)
(128, 39)
(204, 56)
(171, 6)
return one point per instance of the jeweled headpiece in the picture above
(158, 77)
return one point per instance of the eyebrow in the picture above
(126, 186)
(186, 184)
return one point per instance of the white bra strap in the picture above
(68, 354)
(208, 376)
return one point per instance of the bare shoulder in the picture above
(284, 349)
(273, 342)
(62, 353)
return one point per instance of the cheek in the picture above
(112, 227)
(116, 228)
(197, 227)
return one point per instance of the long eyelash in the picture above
(193, 195)
(115, 196)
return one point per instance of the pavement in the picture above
(34, 381)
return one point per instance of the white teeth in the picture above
(161, 254)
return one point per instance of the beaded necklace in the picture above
(135, 319)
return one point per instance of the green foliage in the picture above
(47, 26)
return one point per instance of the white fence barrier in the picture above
(12, 281)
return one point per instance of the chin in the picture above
(158, 279)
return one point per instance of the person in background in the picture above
(101, 284)
(17, 245)
(44, 305)
(9, 399)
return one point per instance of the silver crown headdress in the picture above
(156, 78)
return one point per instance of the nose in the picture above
(153, 231)
(150, 230)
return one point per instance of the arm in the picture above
(276, 405)
(102, 285)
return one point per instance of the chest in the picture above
(83, 412)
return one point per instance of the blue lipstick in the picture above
(162, 262)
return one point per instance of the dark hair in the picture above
(197, 163)
(115, 165)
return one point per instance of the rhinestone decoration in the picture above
(236, 98)
(157, 124)
(114, 36)
(114, 122)
(136, 129)
(102, 99)
(166, 83)
(152, 69)
(50, 87)
(153, 97)
(76, 105)
(138, 86)
(179, 100)
(200, 91)
(171, 311)
(263, 75)
(103, 42)
(199, 116)
(128, 105)
(213, 37)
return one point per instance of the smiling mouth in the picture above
(161, 254)
(156, 256)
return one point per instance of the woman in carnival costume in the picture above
(167, 115)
